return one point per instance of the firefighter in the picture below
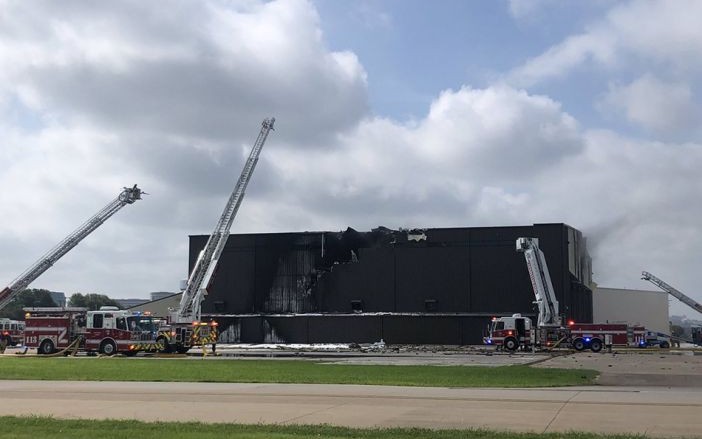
(213, 324)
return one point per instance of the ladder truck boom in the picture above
(517, 331)
(540, 281)
(189, 309)
(672, 291)
(127, 196)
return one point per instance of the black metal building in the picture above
(421, 286)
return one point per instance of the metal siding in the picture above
(474, 270)
(648, 308)
(432, 273)
(345, 329)
(285, 329)
(422, 330)
(499, 277)
(284, 272)
(371, 280)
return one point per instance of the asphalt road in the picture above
(646, 410)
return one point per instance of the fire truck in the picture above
(11, 332)
(129, 195)
(107, 331)
(186, 328)
(517, 331)
(696, 332)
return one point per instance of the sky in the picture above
(400, 113)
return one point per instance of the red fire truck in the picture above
(596, 335)
(11, 332)
(518, 331)
(107, 331)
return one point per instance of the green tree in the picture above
(26, 299)
(91, 301)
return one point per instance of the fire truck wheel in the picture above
(511, 344)
(47, 347)
(578, 344)
(163, 345)
(108, 347)
(595, 345)
(182, 349)
(665, 345)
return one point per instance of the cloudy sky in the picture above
(402, 113)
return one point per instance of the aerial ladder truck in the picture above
(517, 331)
(185, 328)
(127, 196)
(687, 300)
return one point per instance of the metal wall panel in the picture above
(423, 330)
(354, 328)
(429, 271)
(345, 329)
(371, 279)
(431, 279)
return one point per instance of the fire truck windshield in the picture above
(142, 323)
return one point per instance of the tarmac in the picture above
(651, 411)
(657, 393)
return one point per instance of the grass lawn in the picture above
(48, 428)
(284, 371)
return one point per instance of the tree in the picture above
(91, 301)
(26, 299)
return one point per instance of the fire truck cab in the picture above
(509, 332)
(110, 330)
(11, 332)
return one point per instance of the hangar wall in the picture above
(404, 286)
(647, 308)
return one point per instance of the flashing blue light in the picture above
(587, 339)
(488, 341)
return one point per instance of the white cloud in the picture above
(177, 118)
(524, 9)
(480, 158)
(98, 96)
(497, 130)
(655, 105)
(371, 15)
(118, 66)
(662, 32)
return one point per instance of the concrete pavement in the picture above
(651, 411)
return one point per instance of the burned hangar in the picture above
(420, 286)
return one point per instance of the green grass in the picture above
(284, 371)
(42, 427)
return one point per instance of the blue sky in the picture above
(394, 113)
(412, 50)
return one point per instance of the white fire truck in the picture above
(517, 331)
(186, 329)
(11, 332)
(107, 331)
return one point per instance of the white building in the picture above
(615, 305)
